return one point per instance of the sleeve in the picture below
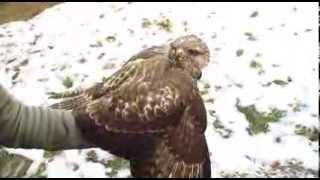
(24, 126)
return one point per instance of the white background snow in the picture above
(286, 43)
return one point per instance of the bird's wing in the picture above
(138, 107)
(66, 94)
(81, 97)
(149, 100)
(77, 98)
(184, 153)
(149, 53)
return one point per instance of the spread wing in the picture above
(81, 97)
(146, 95)
(184, 153)
(77, 98)
(142, 105)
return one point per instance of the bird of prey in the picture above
(150, 111)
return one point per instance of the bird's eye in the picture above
(193, 52)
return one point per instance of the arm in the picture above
(24, 126)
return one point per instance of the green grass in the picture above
(92, 156)
(67, 82)
(259, 121)
(221, 129)
(258, 66)
(116, 165)
(163, 23)
(51, 154)
(311, 133)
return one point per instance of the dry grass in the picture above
(14, 11)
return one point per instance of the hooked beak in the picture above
(199, 76)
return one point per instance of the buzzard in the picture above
(150, 111)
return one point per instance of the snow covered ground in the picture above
(262, 54)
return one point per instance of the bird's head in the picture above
(190, 53)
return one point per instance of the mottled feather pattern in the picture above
(144, 114)
(150, 111)
(165, 162)
(68, 94)
(78, 98)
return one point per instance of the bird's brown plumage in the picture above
(150, 111)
